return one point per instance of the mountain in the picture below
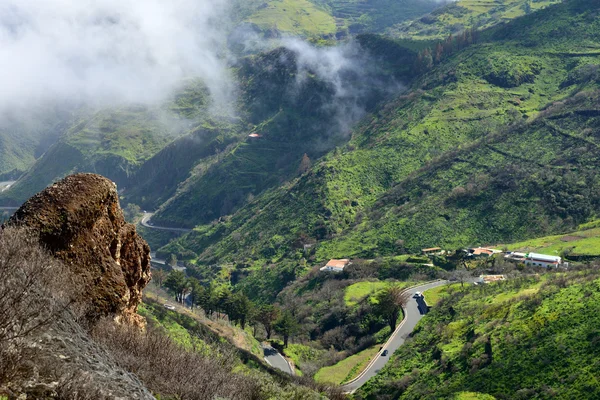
(288, 109)
(25, 136)
(493, 143)
(533, 337)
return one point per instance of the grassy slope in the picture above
(111, 142)
(348, 368)
(433, 296)
(376, 15)
(294, 116)
(23, 138)
(475, 341)
(115, 142)
(296, 17)
(465, 14)
(457, 154)
(323, 18)
(585, 242)
(187, 332)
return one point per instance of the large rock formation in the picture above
(80, 221)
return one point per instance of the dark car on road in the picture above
(385, 353)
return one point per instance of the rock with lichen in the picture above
(80, 222)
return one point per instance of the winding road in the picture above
(146, 223)
(276, 360)
(414, 311)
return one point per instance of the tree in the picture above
(222, 301)
(132, 212)
(439, 52)
(305, 164)
(172, 261)
(389, 304)
(267, 315)
(159, 275)
(462, 275)
(206, 299)
(177, 282)
(427, 59)
(196, 291)
(240, 308)
(286, 326)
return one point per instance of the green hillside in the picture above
(462, 15)
(521, 339)
(495, 144)
(329, 18)
(581, 244)
(296, 111)
(114, 142)
(297, 17)
(110, 142)
(26, 135)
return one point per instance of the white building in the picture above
(542, 260)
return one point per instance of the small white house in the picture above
(336, 265)
(542, 260)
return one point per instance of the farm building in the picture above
(542, 260)
(434, 251)
(482, 252)
(336, 265)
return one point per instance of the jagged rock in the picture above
(80, 221)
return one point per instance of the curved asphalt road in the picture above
(415, 310)
(147, 217)
(276, 360)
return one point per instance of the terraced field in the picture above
(582, 243)
(297, 17)
(465, 14)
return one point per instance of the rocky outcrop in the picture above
(80, 222)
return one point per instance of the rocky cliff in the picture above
(80, 222)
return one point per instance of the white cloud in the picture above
(108, 51)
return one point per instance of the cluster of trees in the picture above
(288, 319)
(238, 308)
(427, 58)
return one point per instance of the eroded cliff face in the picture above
(80, 222)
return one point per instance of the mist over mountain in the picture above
(106, 52)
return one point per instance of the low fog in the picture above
(109, 52)
(103, 52)
(351, 72)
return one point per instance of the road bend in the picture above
(414, 311)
